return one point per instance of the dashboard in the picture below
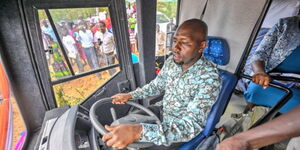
(70, 131)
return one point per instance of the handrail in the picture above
(274, 110)
(283, 78)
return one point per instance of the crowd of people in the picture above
(86, 42)
(89, 43)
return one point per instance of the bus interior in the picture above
(57, 91)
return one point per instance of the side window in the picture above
(131, 13)
(165, 29)
(277, 10)
(79, 49)
(161, 18)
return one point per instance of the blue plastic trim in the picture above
(228, 83)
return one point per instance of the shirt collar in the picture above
(195, 66)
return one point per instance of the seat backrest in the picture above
(228, 83)
(218, 52)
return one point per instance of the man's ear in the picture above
(203, 44)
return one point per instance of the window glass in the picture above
(75, 91)
(77, 41)
(165, 26)
(161, 18)
(277, 10)
(132, 29)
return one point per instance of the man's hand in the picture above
(121, 98)
(234, 143)
(261, 78)
(122, 135)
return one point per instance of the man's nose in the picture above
(176, 47)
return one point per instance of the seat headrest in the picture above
(217, 50)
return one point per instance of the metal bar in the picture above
(282, 78)
(274, 110)
(177, 13)
(59, 41)
(45, 4)
(146, 19)
(83, 74)
(120, 25)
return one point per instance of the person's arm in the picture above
(265, 48)
(96, 37)
(279, 129)
(155, 87)
(112, 40)
(261, 56)
(190, 122)
(260, 76)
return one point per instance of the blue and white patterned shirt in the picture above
(189, 96)
(278, 43)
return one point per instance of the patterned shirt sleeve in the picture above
(264, 50)
(181, 129)
(155, 87)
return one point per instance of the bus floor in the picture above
(237, 105)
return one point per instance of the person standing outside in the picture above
(160, 41)
(46, 29)
(107, 45)
(170, 28)
(86, 39)
(70, 45)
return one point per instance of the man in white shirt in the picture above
(86, 39)
(69, 44)
(107, 45)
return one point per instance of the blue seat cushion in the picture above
(217, 50)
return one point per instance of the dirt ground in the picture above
(79, 88)
(18, 124)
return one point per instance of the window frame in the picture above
(123, 65)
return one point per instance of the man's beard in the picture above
(178, 63)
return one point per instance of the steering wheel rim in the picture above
(100, 128)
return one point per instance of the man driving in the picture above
(190, 84)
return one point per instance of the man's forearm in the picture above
(282, 128)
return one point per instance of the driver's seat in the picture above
(217, 51)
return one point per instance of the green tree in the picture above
(71, 14)
(168, 8)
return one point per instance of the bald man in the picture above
(190, 84)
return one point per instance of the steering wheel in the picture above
(99, 127)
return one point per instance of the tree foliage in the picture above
(71, 14)
(168, 8)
